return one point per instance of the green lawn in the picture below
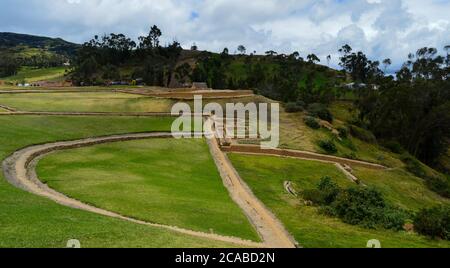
(265, 175)
(33, 74)
(167, 181)
(27, 220)
(85, 102)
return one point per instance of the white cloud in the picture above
(381, 28)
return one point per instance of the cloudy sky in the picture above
(381, 28)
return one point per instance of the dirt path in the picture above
(19, 170)
(268, 226)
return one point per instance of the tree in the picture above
(312, 58)
(241, 49)
(155, 34)
(328, 60)
(295, 55)
(182, 73)
(386, 64)
(8, 66)
(194, 47)
(271, 53)
(358, 65)
(152, 39)
(447, 49)
(225, 51)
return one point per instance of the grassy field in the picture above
(401, 188)
(30, 75)
(266, 175)
(167, 181)
(85, 102)
(27, 220)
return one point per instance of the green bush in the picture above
(343, 132)
(367, 207)
(293, 107)
(434, 222)
(329, 190)
(328, 146)
(362, 134)
(394, 147)
(325, 194)
(311, 122)
(356, 205)
(321, 111)
(313, 195)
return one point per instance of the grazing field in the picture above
(166, 181)
(27, 220)
(30, 75)
(265, 175)
(85, 102)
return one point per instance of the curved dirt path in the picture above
(19, 170)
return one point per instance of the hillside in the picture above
(19, 50)
(17, 43)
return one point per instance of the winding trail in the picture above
(19, 170)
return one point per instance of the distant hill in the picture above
(14, 42)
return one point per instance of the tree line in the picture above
(101, 59)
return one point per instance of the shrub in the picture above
(325, 194)
(329, 190)
(394, 147)
(293, 107)
(356, 205)
(313, 195)
(301, 103)
(394, 218)
(359, 206)
(343, 132)
(321, 111)
(328, 146)
(312, 122)
(434, 222)
(362, 134)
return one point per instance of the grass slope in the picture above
(167, 181)
(266, 175)
(85, 102)
(27, 220)
(30, 75)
